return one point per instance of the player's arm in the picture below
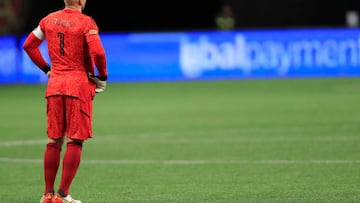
(97, 53)
(31, 47)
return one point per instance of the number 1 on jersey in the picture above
(61, 38)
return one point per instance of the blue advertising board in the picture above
(8, 60)
(210, 55)
(245, 54)
(30, 73)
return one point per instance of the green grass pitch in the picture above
(275, 140)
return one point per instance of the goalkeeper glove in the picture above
(47, 69)
(99, 81)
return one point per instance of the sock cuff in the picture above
(79, 144)
(54, 145)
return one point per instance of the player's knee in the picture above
(58, 141)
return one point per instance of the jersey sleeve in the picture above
(31, 47)
(96, 48)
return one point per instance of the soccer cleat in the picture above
(68, 199)
(48, 198)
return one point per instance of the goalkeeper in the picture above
(75, 49)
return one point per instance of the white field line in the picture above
(168, 137)
(178, 140)
(237, 135)
(23, 143)
(190, 162)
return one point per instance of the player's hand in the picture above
(47, 70)
(99, 81)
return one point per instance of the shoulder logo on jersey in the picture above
(93, 32)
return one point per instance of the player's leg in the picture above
(70, 166)
(55, 131)
(78, 129)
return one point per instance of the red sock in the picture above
(71, 163)
(51, 165)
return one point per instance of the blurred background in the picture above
(200, 39)
(21, 16)
(218, 140)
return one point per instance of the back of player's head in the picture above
(70, 2)
(76, 3)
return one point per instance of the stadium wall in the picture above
(240, 54)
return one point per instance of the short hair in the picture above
(70, 2)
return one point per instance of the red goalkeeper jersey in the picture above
(73, 46)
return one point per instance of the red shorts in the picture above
(69, 116)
